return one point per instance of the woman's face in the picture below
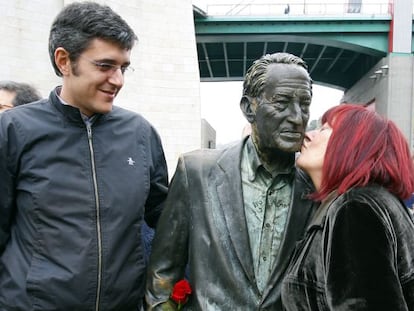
(313, 149)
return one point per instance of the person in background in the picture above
(410, 204)
(410, 201)
(148, 236)
(358, 253)
(78, 177)
(14, 94)
(234, 215)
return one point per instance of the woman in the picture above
(358, 252)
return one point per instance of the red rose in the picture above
(180, 292)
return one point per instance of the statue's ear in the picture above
(246, 104)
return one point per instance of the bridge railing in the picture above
(305, 7)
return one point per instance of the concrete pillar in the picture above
(389, 84)
(400, 93)
(402, 26)
(400, 99)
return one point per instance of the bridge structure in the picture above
(368, 55)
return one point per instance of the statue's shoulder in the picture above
(210, 157)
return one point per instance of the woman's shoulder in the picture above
(370, 195)
(364, 203)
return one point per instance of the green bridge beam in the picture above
(338, 50)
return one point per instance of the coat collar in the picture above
(318, 219)
(229, 181)
(300, 211)
(69, 113)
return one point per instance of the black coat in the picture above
(358, 254)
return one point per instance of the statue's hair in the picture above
(255, 78)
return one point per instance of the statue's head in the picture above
(277, 93)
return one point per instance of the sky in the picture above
(220, 107)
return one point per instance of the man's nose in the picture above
(117, 78)
(296, 114)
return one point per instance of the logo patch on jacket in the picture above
(130, 161)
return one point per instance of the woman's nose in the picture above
(310, 135)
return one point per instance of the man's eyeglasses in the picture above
(107, 67)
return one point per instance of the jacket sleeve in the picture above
(7, 182)
(170, 246)
(360, 261)
(158, 181)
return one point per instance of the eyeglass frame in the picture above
(108, 67)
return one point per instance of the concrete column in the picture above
(402, 26)
(400, 95)
(400, 99)
(389, 84)
(389, 87)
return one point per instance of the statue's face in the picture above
(282, 110)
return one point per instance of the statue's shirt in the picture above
(266, 199)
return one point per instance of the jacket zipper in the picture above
(98, 220)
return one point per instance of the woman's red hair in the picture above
(365, 148)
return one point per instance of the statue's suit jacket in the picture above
(203, 225)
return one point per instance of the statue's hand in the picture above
(167, 306)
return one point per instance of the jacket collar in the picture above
(70, 113)
(300, 211)
(228, 180)
(318, 219)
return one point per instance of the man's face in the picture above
(6, 100)
(282, 110)
(91, 84)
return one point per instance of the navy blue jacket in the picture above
(73, 200)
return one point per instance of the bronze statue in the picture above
(234, 215)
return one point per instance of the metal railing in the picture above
(296, 8)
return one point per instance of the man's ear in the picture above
(246, 103)
(62, 60)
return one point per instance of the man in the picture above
(13, 94)
(234, 215)
(78, 177)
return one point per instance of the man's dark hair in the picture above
(255, 79)
(25, 93)
(80, 22)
